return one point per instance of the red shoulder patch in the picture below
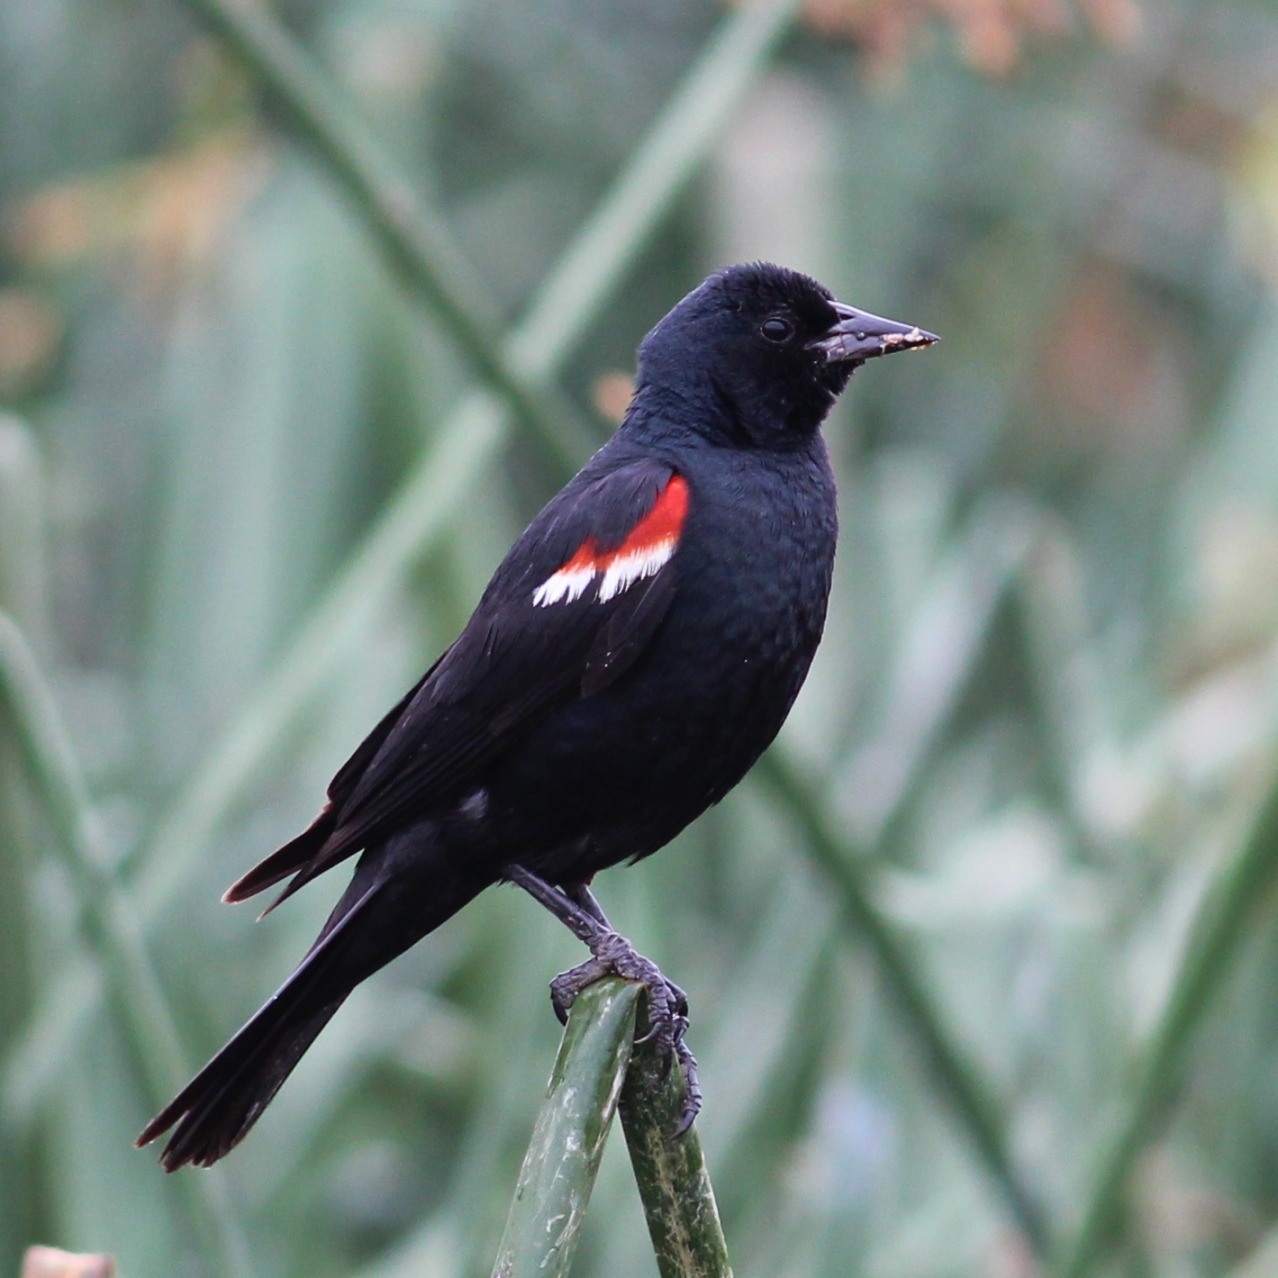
(646, 550)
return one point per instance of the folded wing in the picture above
(568, 612)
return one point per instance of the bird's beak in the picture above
(857, 336)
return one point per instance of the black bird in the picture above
(632, 657)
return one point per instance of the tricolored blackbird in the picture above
(633, 655)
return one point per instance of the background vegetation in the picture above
(983, 962)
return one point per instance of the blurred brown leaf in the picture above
(166, 214)
(611, 394)
(992, 34)
(30, 332)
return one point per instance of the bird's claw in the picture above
(613, 955)
(691, 1106)
(565, 988)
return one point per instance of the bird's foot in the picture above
(613, 955)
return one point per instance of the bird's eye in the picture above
(777, 328)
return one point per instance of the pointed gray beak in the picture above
(858, 336)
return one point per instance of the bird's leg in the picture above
(612, 955)
(580, 894)
(576, 907)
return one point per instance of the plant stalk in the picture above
(1217, 933)
(674, 1184)
(559, 1169)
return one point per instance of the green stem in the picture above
(674, 1184)
(107, 921)
(416, 243)
(951, 1070)
(595, 264)
(22, 526)
(1217, 933)
(559, 1169)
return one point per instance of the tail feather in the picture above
(220, 1105)
(401, 891)
(216, 1109)
(293, 856)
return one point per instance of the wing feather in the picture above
(517, 660)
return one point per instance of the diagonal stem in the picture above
(953, 1074)
(562, 1162)
(415, 240)
(1209, 956)
(673, 1180)
(107, 922)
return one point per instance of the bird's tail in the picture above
(381, 914)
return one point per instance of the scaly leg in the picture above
(612, 955)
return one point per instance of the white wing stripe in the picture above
(626, 569)
(645, 551)
(564, 586)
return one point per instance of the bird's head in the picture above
(764, 351)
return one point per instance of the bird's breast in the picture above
(757, 557)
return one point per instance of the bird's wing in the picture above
(569, 611)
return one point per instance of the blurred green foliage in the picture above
(991, 933)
